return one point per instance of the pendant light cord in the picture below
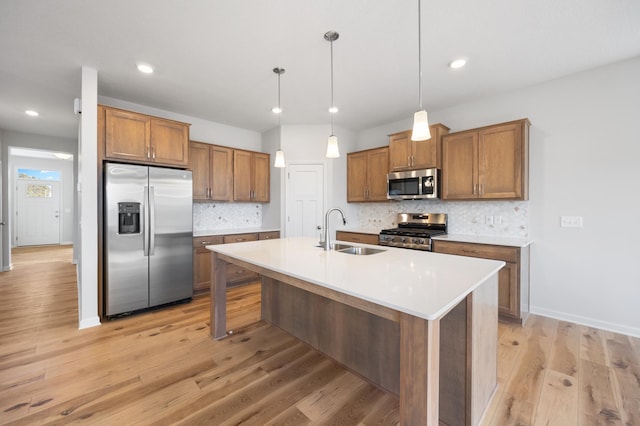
(331, 106)
(419, 59)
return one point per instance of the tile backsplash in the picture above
(493, 218)
(217, 216)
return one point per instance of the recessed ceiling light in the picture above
(333, 110)
(276, 110)
(144, 68)
(457, 63)
(32, 113)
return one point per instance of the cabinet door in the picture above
(508, 296)
(356, 176)
(127, 136)
(199, 165)
(260, 177)
(242, 175)
(460, 166)
(500, 162)
(400, 151)
(201, 270)
(221, 173)
(169, 142)
(377, 169)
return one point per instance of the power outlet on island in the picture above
(571, 221)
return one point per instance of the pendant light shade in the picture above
(420, 122)
(332, 142)
(279, 161)
(332, 147)
(420, 126)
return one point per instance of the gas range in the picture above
(414, 230)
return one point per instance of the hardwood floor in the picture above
(162, 367)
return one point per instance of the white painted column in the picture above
(88, 202)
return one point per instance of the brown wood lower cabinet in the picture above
(235, 274)
(357, 237)
(513, 278)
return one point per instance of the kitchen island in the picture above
(420, 325)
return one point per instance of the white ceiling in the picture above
(214, 58)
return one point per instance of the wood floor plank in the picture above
(597, 403)
(521, 395)
(162, 367)
(558, 405)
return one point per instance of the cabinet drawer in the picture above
(272, 235)
(207, 241)
(238, 238)
(237, 274)
(507, 254)
(356, 237)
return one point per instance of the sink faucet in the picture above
(327, 243)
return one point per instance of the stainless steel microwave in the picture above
(413, 184)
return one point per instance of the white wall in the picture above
(584, 150)
(67, 190)
(271, 212)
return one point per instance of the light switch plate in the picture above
(571, 221)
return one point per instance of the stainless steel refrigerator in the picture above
(148, 237)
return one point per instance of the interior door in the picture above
(305, 200)
(37, 212)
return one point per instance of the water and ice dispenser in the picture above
(128, 218)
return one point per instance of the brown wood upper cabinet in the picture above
(487, 163)
(251, 176)
(212, 168)
(405, 154)
(140, 138)
(367, 175)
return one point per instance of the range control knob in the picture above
(420, 241)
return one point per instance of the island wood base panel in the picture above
(371, 347)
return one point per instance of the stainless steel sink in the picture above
(359, 251)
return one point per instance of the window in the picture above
(38, 191)
(52, 175)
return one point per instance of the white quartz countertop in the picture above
(210, 232)
(423, 284)
(483, 239)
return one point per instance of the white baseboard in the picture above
(590, 322)
(7, 268)
(66, 243)
(89, 322)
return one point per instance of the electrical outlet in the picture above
(571, 221)
(488, 220)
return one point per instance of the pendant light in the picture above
(279, 162)
(420, 122)
(332, 143)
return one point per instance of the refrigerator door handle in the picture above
(145, 222)
(152, 221)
